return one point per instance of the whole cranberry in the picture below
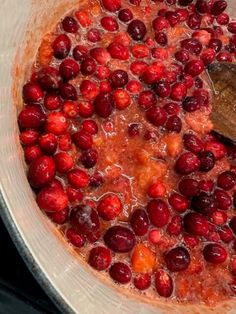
(31, 153)
(82, 139)
(208, 56)
(118, 78)
(104, 104)
(178, 202)
(179, 91)
(147, 99)
(157, 116)
(119, 239)
(120, 272)
(174, 124)
(61, 46)
(196, 224)
(161, 38)
(75, 238)
(52, 199)
(163, 283)
(175, 225)
(172, 108)
(139, 222)
(137, 29)
(80, 52)
(69, 69)
(177, 259)
(207, 161)
(78, 178)
(49, 78)
(232, 27)
(31, 116)
(48, 143)
(96, 180)
(118, 51)
(203, 6)
(192, 45)
(204, 203)
(226, 180)
(41, 172)
(29, 137)
(191, 104)
(109, 207)
(187, 163)
(60, 217)
(85, 221)
(100, 258)
(194, 67)
(152, 73)
(218, 7)
(214, 253)
(112, 5)
(193, 143)
(89, 158)
(215, 44)
(223, 199)
(52, 101)
(94, 35)
(32, 93)
(142, 281)
(188, 187)
(101, 55)
(172, 17)
(56, 123)
(109, 23)
(222, 19)
(64, 162)
(162, 89)
(74, 195)
(125, 15)
(68, 91)
(194, 21)
(160, 23)
(226, 234)
(158, 212)
(182, 56)
(70, 25)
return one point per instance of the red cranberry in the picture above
(226, 180)
(214, 253)
(68, 91)
(226, 234)
(152, 73)
(182, 56)
(48, 143)
(52, 199)
(188, 187)
(142, 281)
(64, 142)
(109, 207)
(223, 199)
(52, 101)
(178, 202)
(162, 89)
(31, 153)
(187, 163)
(163, 283)
(133, 129)
(172, 108)
(60, 217)
(232, 27)
(118, 51)
(147, 99)
(56, 123)
(215, 44)
(125, 15)
(70, 25)
(89, 91)
(206, 185)
(94, 35)
(218, 7)
(158, 212)
(191, 104)
(160, 23)
(80, 52)
(75, 238)
(101, 55)
(194, 67)
(69, 69)
(41, 171)
(183, 14)
(29, 137)
(88, 66)
(202, 6)
(174, 124)
(82, 139)
(217, 148)
(103, 104)
(118, 78)
(89, 158)
(204, 203)
(111, 5)
(192, 45)
(78, 178)
(96, 180)
(120, 272)
(74, 195)
(208, 56)
(224, 56)
(100, 258)
(177, 259)
(109, 23)
(196, 224)
(61, 46)
(172, 17)
(137, 29)
(64, 162)
(223, 19)
(193, 143)
(119, 239)
(178, 92)
(207, 161)
(161, 38)
(139, 222)
(85, 221)
(31, 116)
(194, 21)
(157, 116)
(175, 225)
(32, 93)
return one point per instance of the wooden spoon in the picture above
(223, 78)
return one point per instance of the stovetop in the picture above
(19, 291)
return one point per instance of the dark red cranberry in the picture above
(89, 158)
(194, 67)
(194, 21)
(133, 129)
(142, 281)
(198, 82)
(88, 66)
(232, 224)
(100, 258)
(174, 124)
(192, 45)
(172, 17)
(48, 143)
(120, 272)
(85, 221)
(226, 234)
(137, 29)
(61, 46)
(52, 101)
(41, 171)
(158, 212)
(82, 139)
(207, 161)
(49, 78)
(223, 199)
(226, 180)
(162, 89)
(70, 25)
(175, 225)
(182, 56)
(184, 3)
(118, 78)
(119, 239)
(177, 259)
(203, 6)
(32, 93)
(218, 7)
(104, 104)
(69, 69)
(125, 15)
(80, 52)
(214, 253)
(161, 38)
(215, 44)
(163, 283)
(178, 202)
(193, 143)
(139, 222)
(183, 14)
(188, 187)
(96, 180)
(191, 104)
(31, 116)
(202, 96)
(94, 35)
(204, 203)
(68, 91)
(157, 116)
(196, 224)
(232, 27)
(187, 163)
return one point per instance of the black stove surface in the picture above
(19, 291)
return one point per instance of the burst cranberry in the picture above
(174, 124)
(192, 45)
(41, 171)
(226, 234)
(70, 25)
(85, 221)
(178, 202)
(218, 7)
(182, 56)
(32, 93)
(158, 212)
(31, 116)
(178, 92)
(223, 199)
(61, 46)
(204, 203)
(137, 29)
(162, 89)
(75, 238)
(214, 253)
(207, 161)
(226, 180)
(194, 67)
(104, 104)
(194, 21)
(109, 207)
(100, 258)
(64, 142)
(147, 99)
(52, 101)
(111, 5)
(163, 283)
(157, 116)
(119, 239)
(78, 178)
(215, 44)
(52, 199)
(109, 23)
(177, 259)
(188, 187)
(68, 91)
(196, 224)
(80, 52)
(187, 163)
(29, 137)
(118, 78)
(142, 281)
(64, 162)
(120, 272)
(175, 225)
(118, 51)
(125, 15)
(94, 35)
(193, 143)
(139, 222)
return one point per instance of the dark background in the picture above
(19, 291)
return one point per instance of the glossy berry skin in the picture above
(177, 259)
(120, 273)
(139, 222)
(119, 239)
(41, 171)
(100, 258)
(215, 253)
